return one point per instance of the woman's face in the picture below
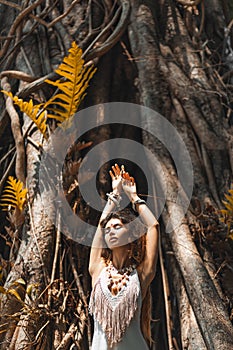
(116, 234)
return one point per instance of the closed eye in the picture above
(116, 227)
(107, 230)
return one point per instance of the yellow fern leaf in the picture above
(227, 213)
(2, 290)
(224, 212)
(230, 235)
(15, 293)
(14, 194)
(230, 199)
(72, 91)
(229, 207)
(34, 112)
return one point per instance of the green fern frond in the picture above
(72, 90)
(33, 111)
(14, 194)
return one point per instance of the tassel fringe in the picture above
(114, 313)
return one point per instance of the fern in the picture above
(227, 213)
(14, 289)
(64, 104)
(14, 194)
(72, 91)
(33, 112)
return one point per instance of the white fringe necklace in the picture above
(114, 300)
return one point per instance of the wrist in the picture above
(137, 203)
(133, 197)
(114, 198)
(116, 191)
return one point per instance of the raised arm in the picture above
(148, 266)
(95, 262)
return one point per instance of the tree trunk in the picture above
(173, 57)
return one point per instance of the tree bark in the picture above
(170, 56)
(202, 294)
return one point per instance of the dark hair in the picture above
(127, 216)
(137, 239)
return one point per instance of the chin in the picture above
(112, 246)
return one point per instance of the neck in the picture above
(120, 257)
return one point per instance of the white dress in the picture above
(117, 317)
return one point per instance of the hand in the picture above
(115, 174)
(129, 185)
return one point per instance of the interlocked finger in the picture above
(132, 180)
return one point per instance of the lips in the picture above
(113, 239)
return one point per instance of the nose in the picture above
(111, 233)
(111, 230)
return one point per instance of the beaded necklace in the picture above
(117, 279)
(114, 300)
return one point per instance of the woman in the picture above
(122, 272)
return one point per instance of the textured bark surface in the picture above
(186, 83)
(174, 57)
